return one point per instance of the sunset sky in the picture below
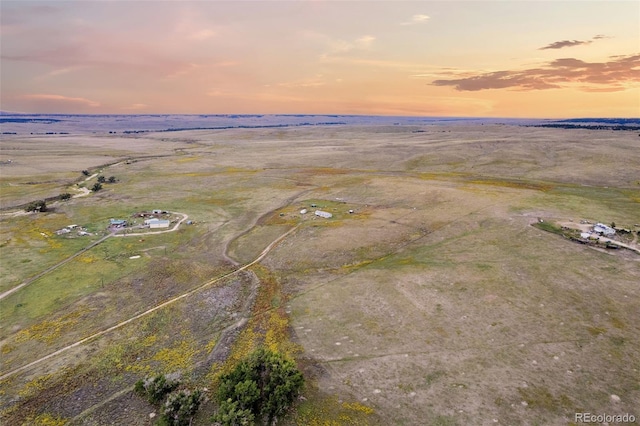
(450, 58)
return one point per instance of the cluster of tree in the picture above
(102, 179)
(177, 406)
(36, 206)
(260, 389)
(41, 205)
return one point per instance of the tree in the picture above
(101, 179)
(112, 179)
(96, 187)
(36, 206)
(265, 384)
(180, 407)
(64, 196)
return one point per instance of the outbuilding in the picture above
(159, 224)
(117, 223)
(324, 214)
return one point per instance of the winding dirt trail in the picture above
(151, 310)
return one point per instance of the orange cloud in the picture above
(612, 76)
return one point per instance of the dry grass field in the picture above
(434, 302)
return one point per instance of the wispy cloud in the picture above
(315, 81)
(134, 107)
(365, 42)
(571, 43)
(565, 43)
(416, 19)
(613, 75)
(342, 46)
(61, 99)
(333, 47)
(201, 35)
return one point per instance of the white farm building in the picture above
(157, 223)
(324, 214)
(601, 228)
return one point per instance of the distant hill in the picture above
(48, 124)
(594, 124)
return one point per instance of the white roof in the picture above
(321, 213)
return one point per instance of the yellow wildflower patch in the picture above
(178, 357)
(327, 411)
(356, 406)
(46, 420)
(87, 258)
(49, 330)
(35, 386)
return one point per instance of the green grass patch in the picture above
(549, 227)
(247, 247)
(86, 274)
(539, 397)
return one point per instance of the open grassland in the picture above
(434, 302)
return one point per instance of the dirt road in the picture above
(151, 310)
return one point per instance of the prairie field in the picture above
(428, 298)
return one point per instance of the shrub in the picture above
(96, 187)
(64, 196)
(101, 179)
(86, 172)
(154, 389)
(180, 407)
(112, 179)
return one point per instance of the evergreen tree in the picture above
(265, 384)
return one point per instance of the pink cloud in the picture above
(611, 75)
